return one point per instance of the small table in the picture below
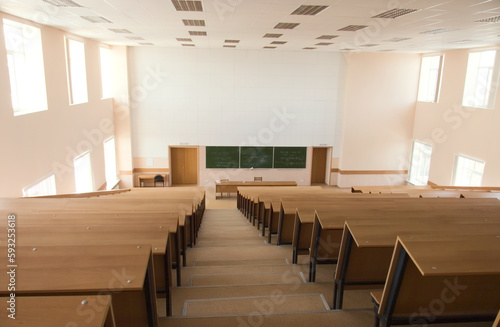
(151, 178)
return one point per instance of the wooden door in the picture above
(318, 169)
(184, 166)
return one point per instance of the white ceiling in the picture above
(158, 23)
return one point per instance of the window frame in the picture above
(92, 182)
(455, 169)
(438, 81)
(50, 175)
(411, 161)
(103, 81)
(34, 62)
(110, 183)
(493, 87)
(70, 73)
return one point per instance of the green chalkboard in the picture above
(290, 157)
(222, 157)
(256, 157)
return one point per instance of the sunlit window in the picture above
(46, 186)
(468, 171)
(84, 179)
(26, 72)
(105, 55)
(481, 81)
(77, 72)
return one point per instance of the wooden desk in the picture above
(329, 224)
(497, 321)
(367, 246)
(232, 186)
(151, 178)
(435, 279)
(123, 271)
(51, 311)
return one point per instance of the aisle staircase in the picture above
(234, 278)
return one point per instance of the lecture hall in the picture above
(249, 163)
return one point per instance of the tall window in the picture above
(26, 72)
(105, 55)
(430, 79)
(468, 171)
(84, 180)
(420, 163)
(110, 163)
(77, 72)
(46, 186)
(481, 81)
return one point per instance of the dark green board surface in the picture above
(222, 157)
(256, 157)
(290, 157)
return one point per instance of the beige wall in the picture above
(34, 145)
(380, 95)
(453, 129)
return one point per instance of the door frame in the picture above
(328, 163)
(197, 160)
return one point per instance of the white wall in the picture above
(453, 129)
(233, 97)
(380, 96)
(34, 145)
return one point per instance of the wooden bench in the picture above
(50, 311)
(123, 271)
(441, 278)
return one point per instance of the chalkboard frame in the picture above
(273, 157)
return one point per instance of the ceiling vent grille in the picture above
(120, 30)
(198, 33)
(134, 38)
(324, 43)
(275, 36)
(439, 30)
(279, 42)
(395, 13)
(368, 45)
(184, 39)
(268, 47)
(398, 39)
(309, 10)
(193, 22)
(96, 19)
(229, 46)
(353, 28)
(188, 45)
(489, 20)
(326, 37)
(232, 41)
(286, 26)
(63, 3)
(187, 5)
(309, 48)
